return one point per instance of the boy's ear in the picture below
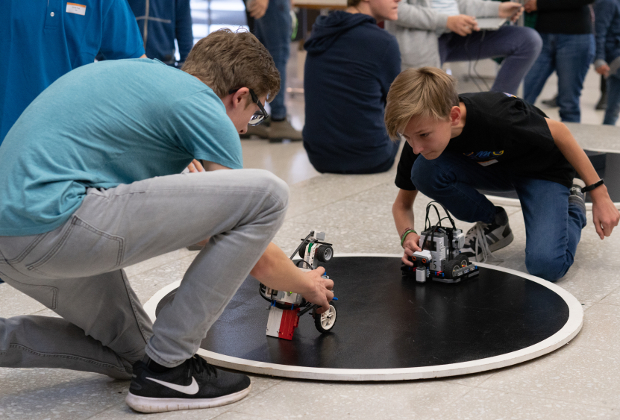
(233, 100)
(455, 115)
(240, 97)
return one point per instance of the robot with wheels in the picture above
(286, 307)
(440, 258)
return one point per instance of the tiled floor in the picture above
(578, 381)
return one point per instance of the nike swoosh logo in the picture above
(191, 389)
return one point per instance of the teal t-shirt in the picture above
(105, 124)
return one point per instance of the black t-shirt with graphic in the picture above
(503, 130)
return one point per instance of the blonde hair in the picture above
(226, 60)
(427, 91)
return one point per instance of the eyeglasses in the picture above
(260, 115)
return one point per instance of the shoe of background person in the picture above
(283, 130)
(261, 131)
(551, 103)
(602, 102)
(192, 384)
(576, 196)
(482, 239)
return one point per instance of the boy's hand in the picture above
(195, 166)
(276, 271)
(410, 245)
(604, 213)
(321, 290)
(462, 24)
(204, 166)
(511, 10)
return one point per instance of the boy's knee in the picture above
(277, 188)
(547, 267)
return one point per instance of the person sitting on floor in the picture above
(350, 65)
(457, 144)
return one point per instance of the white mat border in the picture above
(564, 335)
(514, 202)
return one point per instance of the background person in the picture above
(41, 40)
(568, 49)
(433, 32)
(607, 58)
(273, 27)
(160, 23)
(350, 65)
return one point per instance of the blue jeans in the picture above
(519, 45)
(552, 224)
(570, 56)
(613, 100)
(274, 31)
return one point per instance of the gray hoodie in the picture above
(419, 25)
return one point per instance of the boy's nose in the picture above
(417, 149)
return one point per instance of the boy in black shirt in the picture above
(492, 141)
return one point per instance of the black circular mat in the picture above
(385, 322)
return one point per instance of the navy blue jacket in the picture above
(160, 22)
(350, 65)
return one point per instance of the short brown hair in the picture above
(427, 91)
(227, 60)
(353, 3)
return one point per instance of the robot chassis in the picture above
(440, 258)
(286, 307)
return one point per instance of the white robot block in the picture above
(287, 307)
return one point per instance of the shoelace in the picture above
(199, 365)
(577, 191)
(479, 240)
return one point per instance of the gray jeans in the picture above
(76, 269)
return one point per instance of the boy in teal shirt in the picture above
(88, 187)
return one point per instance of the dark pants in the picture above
(518, 45)
(570, 56)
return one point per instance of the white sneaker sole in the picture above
(502, 243)
(160, 405)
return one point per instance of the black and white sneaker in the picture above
(576, 196)
(484, 238)
(193, 384)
